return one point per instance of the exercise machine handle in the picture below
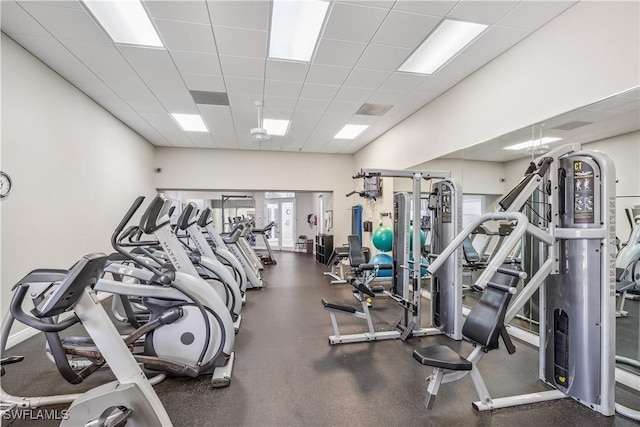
(19, 314)
(512, 272)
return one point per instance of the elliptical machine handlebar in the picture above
(18, 313)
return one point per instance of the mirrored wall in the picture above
(490, 169)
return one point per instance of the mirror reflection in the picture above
(490, 169)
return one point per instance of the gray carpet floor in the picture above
(286, 373)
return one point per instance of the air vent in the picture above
(373, 109)
(571, 125)
(209, 98)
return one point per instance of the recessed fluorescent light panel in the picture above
(295, 27)
(350, 131)
(276, 127)
(447, 40)
(190, 122)
(532, 144)
(125, 22)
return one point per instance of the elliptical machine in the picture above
(130, 399)
(233, 244)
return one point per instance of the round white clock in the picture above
(5, 185)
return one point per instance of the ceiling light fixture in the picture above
(125, 22)
(276, 127)
(295, 28)
(442, 44)
(190, 122)
(532, 143)
(350, 131)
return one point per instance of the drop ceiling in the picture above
(221, 46)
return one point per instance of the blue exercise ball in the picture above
(423, 260)
(382, 238)
(382, 259)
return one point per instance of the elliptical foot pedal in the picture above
(222, 376)
(406, 333)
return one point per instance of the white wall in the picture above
(76, 170)
(589, 52)
(202, 169)
(305, 204)
(624, 151)
(476, 177)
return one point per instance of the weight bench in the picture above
(363, 292)
(483, 327)
(338, 255)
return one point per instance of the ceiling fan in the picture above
(260, 133)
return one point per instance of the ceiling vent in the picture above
(373, 109)
(209, 98)
(571, 125)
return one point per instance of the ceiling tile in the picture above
(277, 107)
(482, 12)
(304, 121)
(252, 15)
(187, 11)
(201, 140)
(370, 79)
(196, 63)
(495, 40)
(353, 22)
(404, 29)
(284, 89)
(186, 36)
(246, 119)
(162, 122)
(205, 82)
(70, 4)
(433, 8)
(312, 105)
(319, 92)
(353, 94)
(461, 66)
(403, 82)
(286, 70)
(14, 20)
(327, 75)
(385, 4)
(532, 15)
(145, 105)
(178, 139)
(94, 54)
(384, 58)
(339, 108)
(387, 97)
(45, 48)
(337, 52)
(66, 23)
(241, 86)
(176, 102)
(240, 42)
(72, 71)
(241, 66)
(147, 62)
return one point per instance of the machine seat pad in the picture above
(331, 306)
(441, 356)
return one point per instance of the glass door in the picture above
(282, 212)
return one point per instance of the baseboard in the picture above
(28, 332)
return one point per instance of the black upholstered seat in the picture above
(441, 356)
(356, 254)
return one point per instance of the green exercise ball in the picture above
(382, 238)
